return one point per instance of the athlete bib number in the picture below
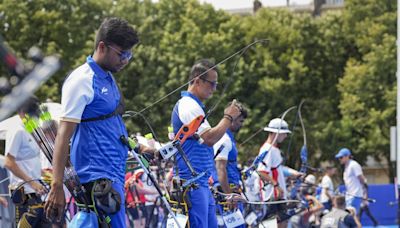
(233, 219)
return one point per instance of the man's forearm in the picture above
(317, 205)
(214, 134)
(223, 181)
(361, 178)
(61, 150)
(11, 165)
(60, 157)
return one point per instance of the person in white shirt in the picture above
(23, 161)
(252, 185)
(327, 188)
(353, 177)
(151, 196)
(271, 169)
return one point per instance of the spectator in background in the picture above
(252, 185)
(353, 177)
(327, 188)
(134, 195)
(308, 217)
(23, 161)
(339, 216)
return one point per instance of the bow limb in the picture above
(240, 53)
(302, 123)
(304, 151)
(303, 157)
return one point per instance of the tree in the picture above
(368, 88)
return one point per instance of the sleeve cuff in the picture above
(67, 119)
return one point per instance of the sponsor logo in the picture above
(104, 90)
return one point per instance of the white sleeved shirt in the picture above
(273, 159)
(77, 92)
(21, 145)
(201, 156)
(189, 109)
(327, 186)
(350, 176)
(225, 146)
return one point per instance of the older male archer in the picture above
(203, 82)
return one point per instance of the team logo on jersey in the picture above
(104, 90)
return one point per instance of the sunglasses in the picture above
(123, 55)
(214, 84)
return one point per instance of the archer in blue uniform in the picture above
(203, 83)
(226, 154)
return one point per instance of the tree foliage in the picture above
(342, 63)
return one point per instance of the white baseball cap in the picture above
(277, 125)
(310, 179)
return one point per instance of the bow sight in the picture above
(174, 147)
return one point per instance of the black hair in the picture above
(200, 67)
(243, 110)
(117, 31)
(30, 106)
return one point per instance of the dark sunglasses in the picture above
(214, 84)
(123, 55)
